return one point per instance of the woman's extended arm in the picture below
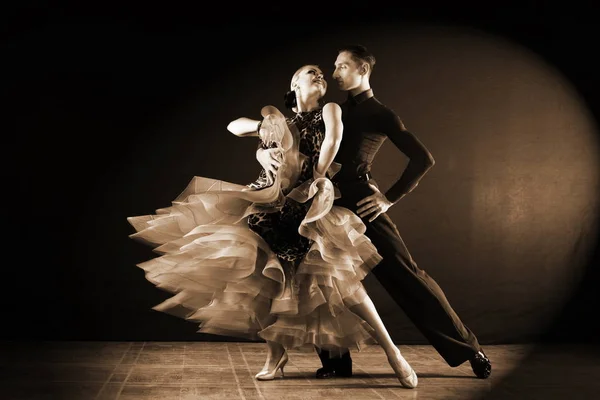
(243, 127)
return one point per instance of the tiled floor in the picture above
(211, 370)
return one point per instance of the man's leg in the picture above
(421, 298)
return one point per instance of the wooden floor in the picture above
(202, 370)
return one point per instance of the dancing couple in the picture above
(282, 259)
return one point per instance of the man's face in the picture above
(347, 72)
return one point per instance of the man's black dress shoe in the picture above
(338, 367)
(328, 372)
(482, 367)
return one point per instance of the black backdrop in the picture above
(111, 112)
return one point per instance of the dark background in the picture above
(110, 112)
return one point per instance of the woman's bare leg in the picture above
(367, 311)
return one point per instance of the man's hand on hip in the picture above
(373, 205)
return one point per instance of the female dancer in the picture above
(274, 260)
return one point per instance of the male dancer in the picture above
(367, 124)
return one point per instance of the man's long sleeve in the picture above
(420, 159)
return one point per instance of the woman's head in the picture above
(307, 81)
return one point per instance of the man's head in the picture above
(353, 68)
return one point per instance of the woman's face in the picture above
(309, 80)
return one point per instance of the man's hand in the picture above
(375, 204)
(270, 160)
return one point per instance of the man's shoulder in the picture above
(386, 117)
(382, 109)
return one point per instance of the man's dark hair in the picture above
(359, 54)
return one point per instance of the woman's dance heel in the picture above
(408, 380)
(270, 375)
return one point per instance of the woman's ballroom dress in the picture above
(272, 260)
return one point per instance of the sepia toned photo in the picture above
(309, 204)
